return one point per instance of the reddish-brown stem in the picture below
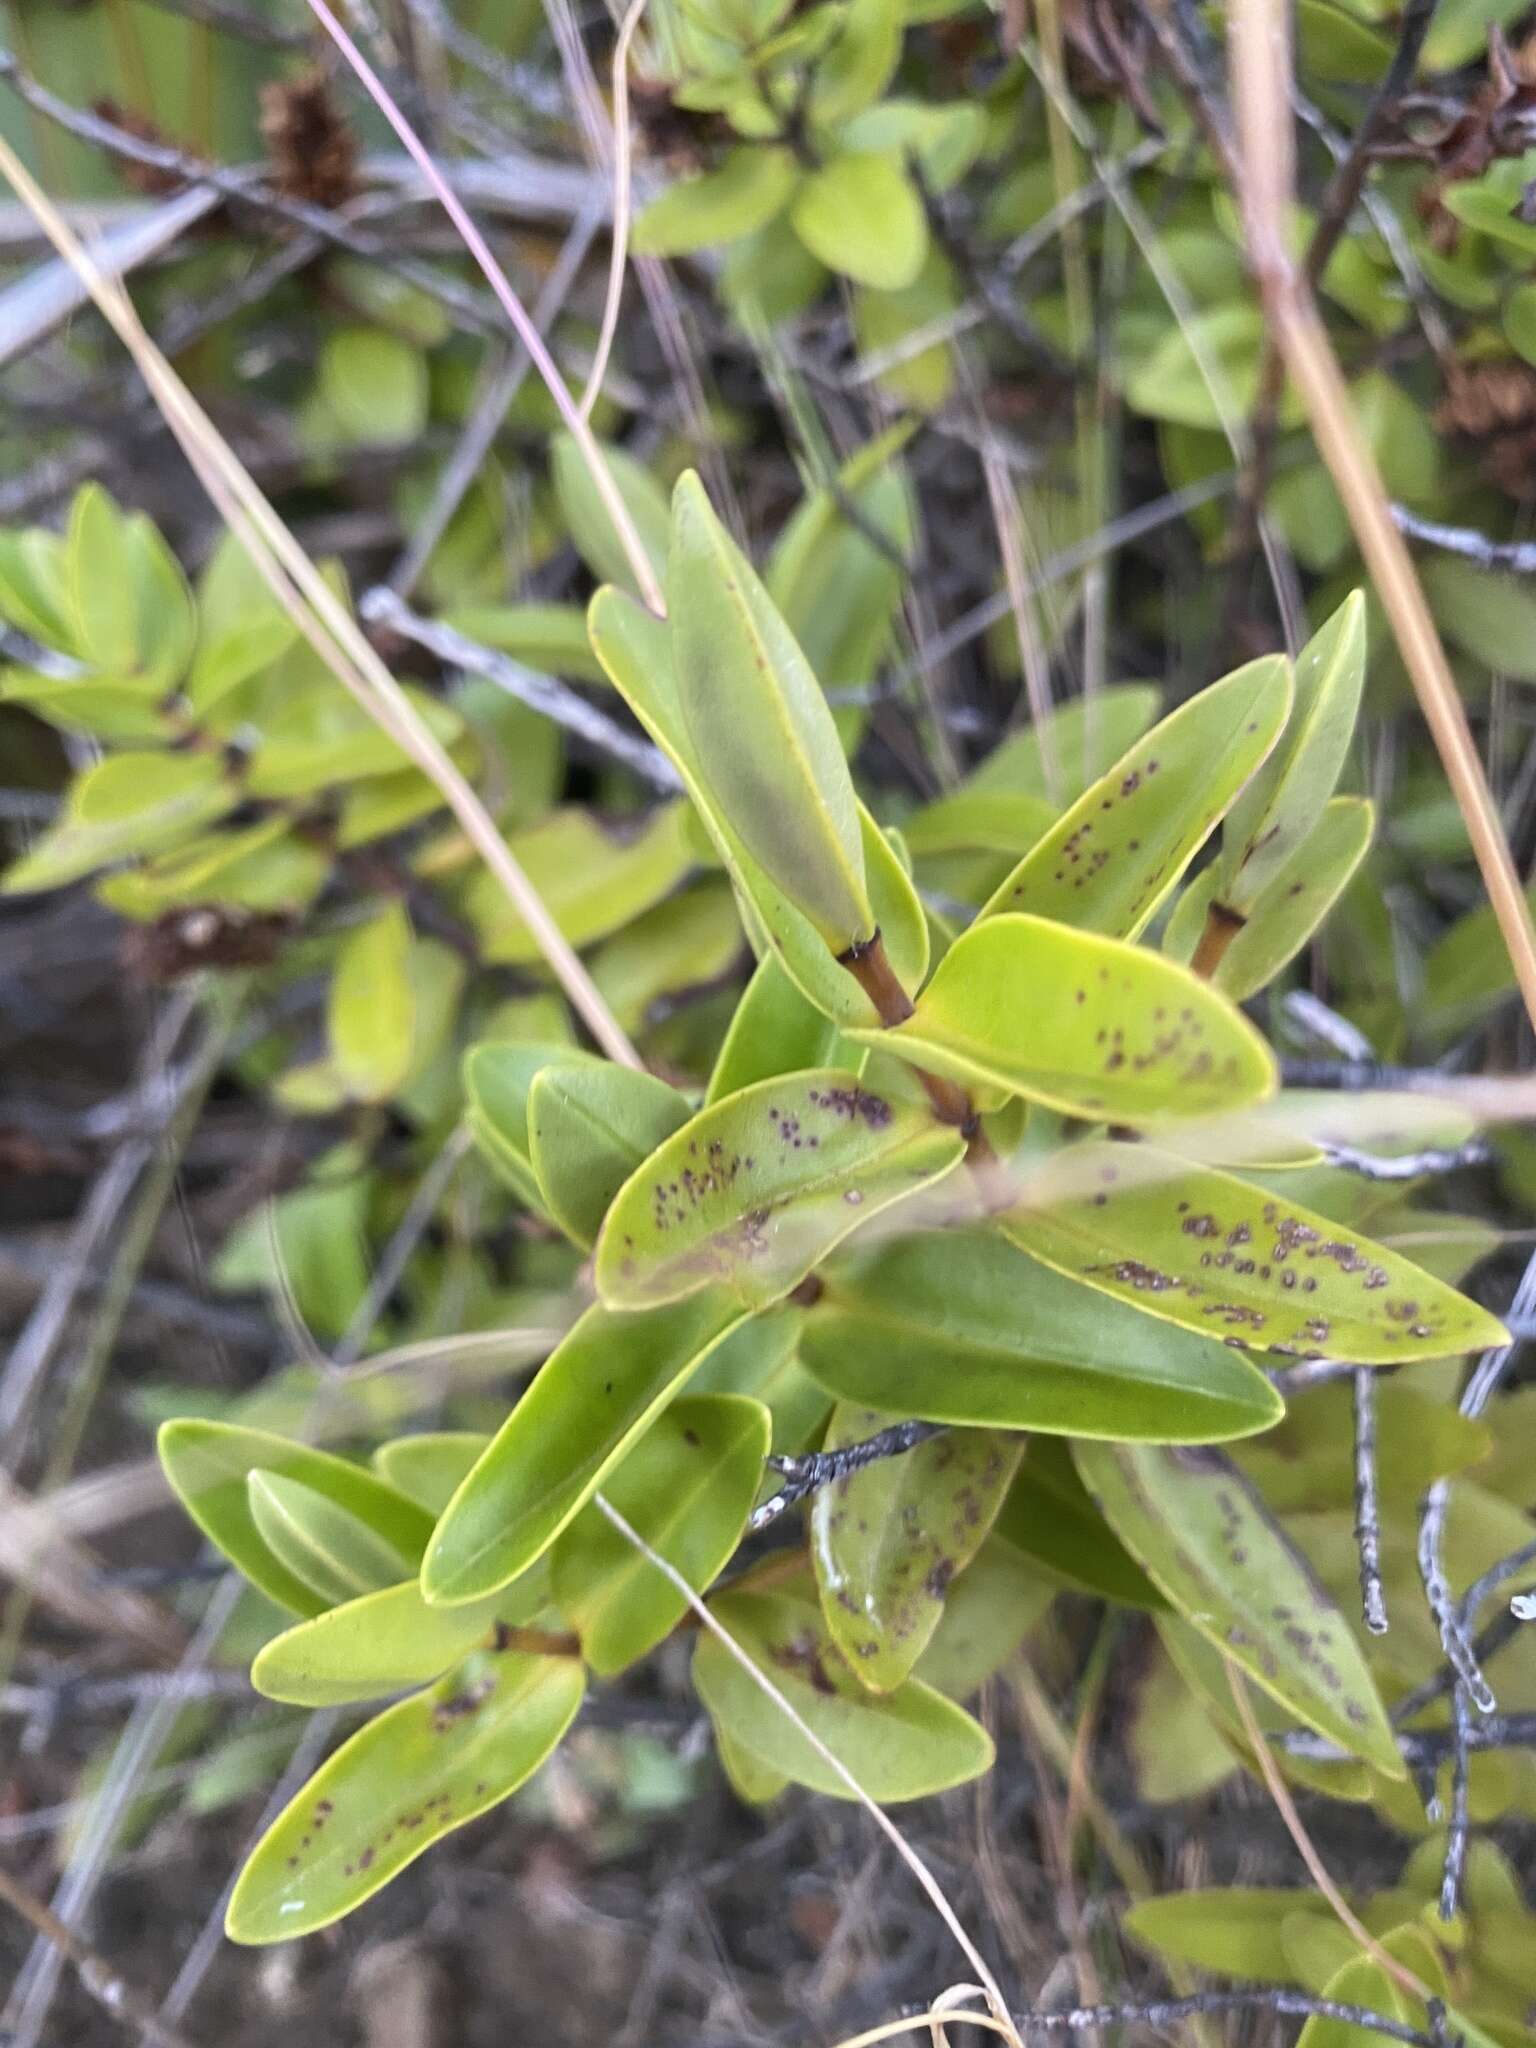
(866, 960)
(1221, 928)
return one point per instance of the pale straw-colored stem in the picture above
(1261, 88)
(622, 207)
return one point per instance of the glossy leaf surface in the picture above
(636, 655)
(758, 726)
(760, 1186)
(384, 1642)
(323, 1545)
(1229, 1258)
(888, 1538)
(773, 1030)
(900, 1745)
(1085, 1024)
(1223, 1561)
(429, 1467)
(589, 1127)
(208, 1465)
(1275, 814)
(959, 1326)
(593, 1396)
(687, 1487)
(404, 1780)
(1114, 856)
(1051, 1519)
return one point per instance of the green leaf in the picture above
(922, 377)
(1114, 856)
(320, 1543)
(429, 1467)
(861, 215)
(209, 1464)
(1468, 970)
(985, 820)
(1082, 739)
(758, 726)
(108, 711)
(267, 866)
(1285, 799)
(591, 881)
(860, 64)
(385, 1642)
(838, 592)
(1308, 1462)
(374, 386)
(1051, 1519)
(959, 1326)
(404, 1780)
(1203, 370)
(900, 1745)
(759, 1187)
(1233, 1930)
(595, 1394)
(1087, 1025)
(592, 529)
(687, 943)
(99, 574)
(241, 628)
(129, 804)
(1288, 910)
(634, 650)
(1212, 1547)
(372, 1007)
(1487, 613)
(589, 1128)
(887, 1539)
(752, 184)
(34, 588)
(687, 1487)
(498, 1079)
(773, 1030)
(945, 139)
(1231, 1259)
(988, 1611)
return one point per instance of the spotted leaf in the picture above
(589, 1127)
(405, 1779)
(1230, 1259)
(888, 1538)
(1108, 863)
(899, 1745)
(1087, 1025)
(754, 1191)
(1214, 1550)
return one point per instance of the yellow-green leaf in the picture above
(687, 1488)
(593, 532)
(405, 1779)
(335, 1554)
(1211, 1546)
(590, 1400)
(750, 187)
(887, 1538)
(861, 215)
(1085, 1024)
(1285, 799)
(372, 1009)
(760, 1186)
(959, 1326)
(383, 1642)
(1113, 857)
(1229, 1258)
(589, 1127)
(592, 881)
(900, 1745)
(758, 727)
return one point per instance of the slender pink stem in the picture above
(512, 305)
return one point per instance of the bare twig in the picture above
(1466, 541)
(1409, 1165)
(1261, 71)
(815, 1469)
(544, 694)
(1367, 1514)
